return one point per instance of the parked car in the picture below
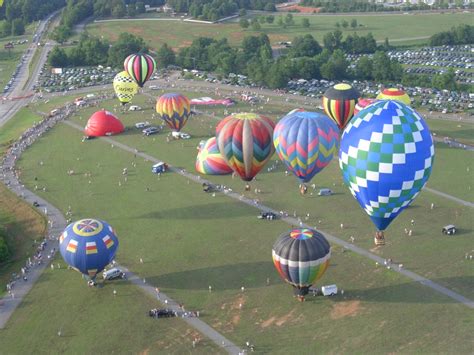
(114, 273)
(142, 124)
(325, 192)
(450, 229)
(267, 215)
(151, 130)
(329, 290)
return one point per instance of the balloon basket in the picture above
(303, 189)
(379, 238)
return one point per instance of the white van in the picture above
(329, 290)
(114, 273)
(134, 108)
(325, 192)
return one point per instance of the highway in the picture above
(20, 94)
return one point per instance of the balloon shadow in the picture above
(204, 211)
(224, 277)
(410, 292)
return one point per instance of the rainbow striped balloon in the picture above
(140, 67)
(394, 94)
(245, 142)
(339, 102)
(174, 109)
(306, 142)
(301, 257)
(209, 160)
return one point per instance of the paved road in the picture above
(293, 221)
(24, 81)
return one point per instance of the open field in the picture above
(190, 240)
(180, 34)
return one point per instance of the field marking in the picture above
(294, 222)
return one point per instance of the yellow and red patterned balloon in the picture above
(394, 94)
(174, 109)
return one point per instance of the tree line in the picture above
(369, 6)
(462, 34)
(16, 14)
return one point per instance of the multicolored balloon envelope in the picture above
(174, 109)
(209, 160)
(306, 142)
(301, 257)
(245, 142)
(125, 88)
(140, 67)
(339, 102)
(88, 246)
(103, 123)
(394, 94)
(361, 104)
(386, 157)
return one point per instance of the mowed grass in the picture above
(93, 320)
(190, 240)
(462, 131)
(15, 127)
(178, 34)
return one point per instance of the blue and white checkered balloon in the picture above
(386, 155)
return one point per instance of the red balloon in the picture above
(103, 123)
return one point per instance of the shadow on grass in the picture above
(410, 292)
(225, 277)
(203, 211)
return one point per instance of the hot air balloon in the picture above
(245, 142)
(125, 88)
(339, 102)
(88, 246)
(306, 142)
(394, 94)
(301, 256)
(361, 104)
(103, 123)
(174, 109)
(140, 67)
(209, 160)
(386, 156)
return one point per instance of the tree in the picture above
(270, 7)
(256, 26)
(140, 6)
(345, 24)
(4, 250)
(270, 18)
(119, 10)
(354, 23)
(131, 11)
(333, 40)
(125, 45)
(336, 67)
(58, 58)
(338, 25)
(165, 56)
(280, 21)
(308, 68)
(289, 19)
(364, 68)
(18, 27)
(305, 46)
(242, 12)
(305, 22)
(244, 23)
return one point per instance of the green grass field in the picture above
(403, 28)
(190, 240)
